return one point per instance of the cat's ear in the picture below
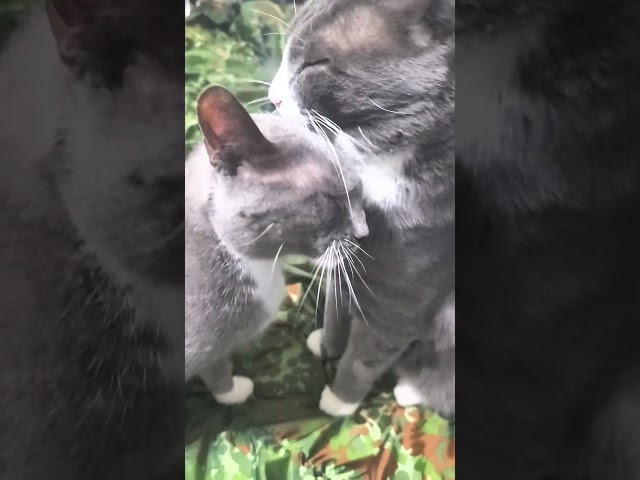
(66, 18)
(231, 135)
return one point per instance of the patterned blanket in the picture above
(280, 434)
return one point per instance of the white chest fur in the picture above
(382, 182)
(269, 283)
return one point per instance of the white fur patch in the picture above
(241, 391)
(270, 287)
(407, 395)
(280, 90)
(332, 405)
(314, 342)
(383, 181)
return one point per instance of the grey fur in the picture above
(286, 192)
(384, 72)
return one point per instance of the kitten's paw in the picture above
(314, 342)
(242, 389)
(332, 405)
(407, 395)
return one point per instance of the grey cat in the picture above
(91, 187)
(258, 188)
(378, 76)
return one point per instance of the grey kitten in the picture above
(91, 187)
(258, 188)
(378, 75)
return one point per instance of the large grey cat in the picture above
(379, 76)
(257, 189)
(92, 205)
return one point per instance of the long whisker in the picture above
(272, 16)
(251, 80)
(387, 110)
(264, 232)
(337, 161)
(354, 255)
(314, 273)
(359, 248)
(334, 270)
(366, 139)
(339, 278)
(275, 260)
(164, 240)
(335, 128)
(352, 295)
(319, 287)
(258, 100)
(348, 256)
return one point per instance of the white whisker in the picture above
(352, 294)
(314, 273)
(366, 139)
(336, 158)
(387, 110)
(275, 260)
(257, 100)
(319, 288)
(335, 128)
(334, 271)
(251, 80)
(163, 240)
(359, 248)
(264, 232)
(272, 16)
(348, 256)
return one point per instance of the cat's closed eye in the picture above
(313, 64)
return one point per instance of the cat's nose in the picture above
(361, 231)
(274, 96)
(275, 100)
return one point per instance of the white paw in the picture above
(332, 405)
(407, 395)
(242, 389)
(314, 342)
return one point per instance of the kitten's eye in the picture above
(315, 63)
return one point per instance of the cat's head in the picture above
(276, 186)
(122, 172)
(382, 70)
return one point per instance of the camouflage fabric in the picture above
(280, 433)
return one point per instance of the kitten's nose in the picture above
(273, 96)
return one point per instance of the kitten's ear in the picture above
(231, 135)
(67, 18)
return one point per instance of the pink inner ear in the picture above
(225, 122)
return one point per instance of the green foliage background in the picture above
(234, 43)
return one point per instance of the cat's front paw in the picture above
(407, 395)
(332, 405)
(242, 389)
(314, 342)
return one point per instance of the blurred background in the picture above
(234, 43)
(10, 13)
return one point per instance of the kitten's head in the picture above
(275, 183)
(380, 69)
(122, 176)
